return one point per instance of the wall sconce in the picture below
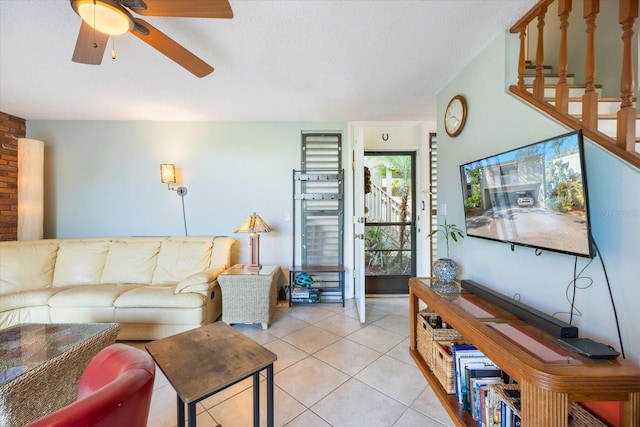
(168, 176)
(254, 225)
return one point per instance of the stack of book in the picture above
(302, 294)
(474, 373)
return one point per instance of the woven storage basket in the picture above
(578, 416)
(442, 367)
(426, 335)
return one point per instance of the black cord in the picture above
(573, 297)
(573, 285)
(613, 304)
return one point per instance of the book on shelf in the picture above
(478, 371)
(479, 387)
(467, 356)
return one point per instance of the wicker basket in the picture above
(426, 335)
(442, 367)
(578, 416)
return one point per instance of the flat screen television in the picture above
(533, 196)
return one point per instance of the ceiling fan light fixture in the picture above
(107, 16)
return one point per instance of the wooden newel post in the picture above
(590, 97)
(626, 132)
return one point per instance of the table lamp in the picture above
(254, 225)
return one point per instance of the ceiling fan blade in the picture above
(170, 48)
(183, 8)
(86, 52)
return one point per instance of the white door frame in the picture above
(420, 144)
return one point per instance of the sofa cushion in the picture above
(26, 265)
(221, 252)
(158, 297)
(25, 299)
(179, 259)
(90, 296)
(80, 262)
(198, 282)
(130, 262)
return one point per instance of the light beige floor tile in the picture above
(394, 323)
(227, 393)
(373, 314)
(376, 338)
(309, 380)
(349, 304)
(351, 312)
(286, 325)
(357, 404)
(413, 418)
(308, 419)
(287, 354)
(428, 404)
(310, 313)
(394, 305)
(401, 353)
(340, 324)
(256, 333)
(394, 378)
(205, 419)
(311, 339)
(238, 412)
(348, 356)
(162, 412)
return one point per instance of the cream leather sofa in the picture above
(152, 286)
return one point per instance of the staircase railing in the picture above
(624, 143)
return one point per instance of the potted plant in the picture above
(445, 268)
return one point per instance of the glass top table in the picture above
(42, 364)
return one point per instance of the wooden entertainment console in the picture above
(550, 376)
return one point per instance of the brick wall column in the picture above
(11, 127)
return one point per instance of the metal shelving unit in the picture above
(318, 219)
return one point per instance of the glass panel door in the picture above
(389, 222)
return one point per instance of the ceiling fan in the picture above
(102, 18)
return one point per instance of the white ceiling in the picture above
(361, 60)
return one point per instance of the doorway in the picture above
(389, 231)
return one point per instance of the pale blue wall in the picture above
(497, 122)
(102, 178)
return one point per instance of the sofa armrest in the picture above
(198, 282)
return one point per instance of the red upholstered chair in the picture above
(115, 390)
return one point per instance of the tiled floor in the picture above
(331, 371)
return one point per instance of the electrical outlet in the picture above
(443, 209)
(287, 216)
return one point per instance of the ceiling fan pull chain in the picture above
(95, 44)
(113, 48)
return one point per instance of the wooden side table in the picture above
(250, 296)
(203, 361)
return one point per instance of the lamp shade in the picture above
(167, 173)
(254, 224)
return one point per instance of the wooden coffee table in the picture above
(203, 361)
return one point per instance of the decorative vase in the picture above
(445, 269)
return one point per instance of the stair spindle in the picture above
(626, 117)
(538, 82)
(590, 97)
(562, 89)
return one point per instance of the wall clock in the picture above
(455, 115)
